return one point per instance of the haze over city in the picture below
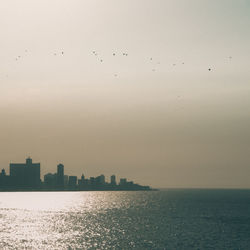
(155, 91)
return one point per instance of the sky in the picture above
(173, 112)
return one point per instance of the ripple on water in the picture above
(173, 219)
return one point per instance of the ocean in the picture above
(165, 219)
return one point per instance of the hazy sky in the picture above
(151, 121)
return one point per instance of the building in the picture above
(123, 181)
(60, 175)
(81, 181)
(102, 179)
(92, 180)
(25, 174)
(5, 180)
(66, 180)
(72, 181)
(112, 180)
(50, 180)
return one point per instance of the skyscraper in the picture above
(60, 175)
(102, 179)
(112, 180)
(25, 174)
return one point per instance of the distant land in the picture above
(26, 177)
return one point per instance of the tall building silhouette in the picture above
(60, 175)
(113, 180)
(3, 173)
(25, 174)
(4, 179)
(102, 179)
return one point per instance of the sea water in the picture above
(166, 219)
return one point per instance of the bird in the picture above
(209, 69)
(62, 52)
(113, 54)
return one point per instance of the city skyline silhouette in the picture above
(27, 176)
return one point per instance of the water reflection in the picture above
(40, 220)
(61, 201)
(174, 219)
